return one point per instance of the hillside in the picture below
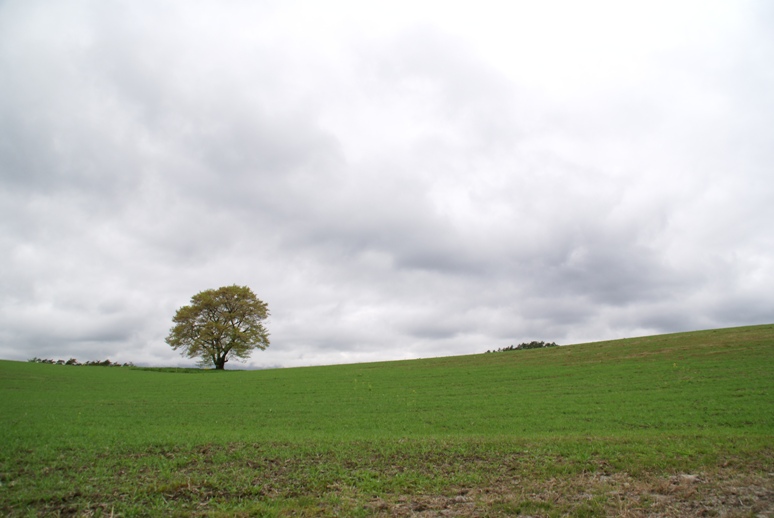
(652, 405)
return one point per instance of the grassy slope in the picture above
(653, 405)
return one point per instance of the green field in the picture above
(670, 425)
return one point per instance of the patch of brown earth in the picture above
(722, 494)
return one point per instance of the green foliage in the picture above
(220, 325)
(73, 361)
(526, 345)
(566, 426)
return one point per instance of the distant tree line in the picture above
(73, 361)
(522, 346)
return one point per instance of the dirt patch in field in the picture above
(720, 493)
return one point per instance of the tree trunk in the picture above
(220, 363)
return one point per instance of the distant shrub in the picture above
(522, 346)
(40, 360)
(73, 361)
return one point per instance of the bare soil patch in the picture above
(723, 493)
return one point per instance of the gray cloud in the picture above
(395, 184)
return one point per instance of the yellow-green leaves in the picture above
(219, 325)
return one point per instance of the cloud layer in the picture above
(395, 181)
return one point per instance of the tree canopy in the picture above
(220, 325)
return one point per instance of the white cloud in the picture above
(395, 180)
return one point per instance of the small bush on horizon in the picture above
(522, 346)
(73, 361)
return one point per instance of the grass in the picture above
(671, 424)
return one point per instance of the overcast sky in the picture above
(395, 179)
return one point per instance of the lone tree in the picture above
(220, 325)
